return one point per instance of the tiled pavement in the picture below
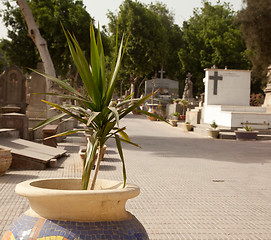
(192, 187)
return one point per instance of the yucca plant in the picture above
(96, 112)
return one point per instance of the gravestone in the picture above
(227, 87)
(36, 110)
(36, 84)
(12, 91)
(167, 88)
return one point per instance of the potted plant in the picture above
(184, 104)
(213, 132)
(187, 126)
(174, 119)
(5, 159)
(246, 133)
(175, 116)
(99, 205)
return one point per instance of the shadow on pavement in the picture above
(205, 148)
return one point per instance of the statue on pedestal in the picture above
(267, 90)
(188, 89)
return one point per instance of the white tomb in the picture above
(227, 96)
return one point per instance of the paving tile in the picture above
(192, 187)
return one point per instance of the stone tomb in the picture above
(13, 101)
(227, 97)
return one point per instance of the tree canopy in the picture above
(154, 39)
(255, 26)
(21, 51)
(210, 38)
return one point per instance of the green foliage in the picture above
(21, 50)
(256, 28)
(154, 40)
(214, 125)
(97, 112)
(176, 114)
(248, 129)
(210, 38)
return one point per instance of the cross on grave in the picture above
(162, 73)
(215, 78)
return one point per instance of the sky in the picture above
(182, 9)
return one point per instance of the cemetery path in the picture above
(192, 187)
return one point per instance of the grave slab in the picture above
(30, 155)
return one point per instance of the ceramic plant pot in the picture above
(60, 210)
(213, 133)
(246, 135)
(5, 159)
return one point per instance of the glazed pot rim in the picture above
(36, 187)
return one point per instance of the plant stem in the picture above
(100, 156)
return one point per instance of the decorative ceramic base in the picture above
(26, 227)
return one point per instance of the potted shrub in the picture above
(187, 126)
(175, 116)
(213, 132)
(184, 104)
(246, 133)
(174, 119)
(99, 205)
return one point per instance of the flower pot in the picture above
(213, 133)
(60, 210)
(5, 159)
(187, 127)
(174, 117)
(182, 117)
(246, 135)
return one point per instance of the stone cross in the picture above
(162, 73)
(215, 78)
(189, 75)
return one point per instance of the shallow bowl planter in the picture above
(58, 208)
(5, 159)
(213, 133)
(246, 135)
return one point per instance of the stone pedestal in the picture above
(267, 99)
(49, 131)
(16, 121)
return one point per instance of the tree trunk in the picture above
(41, 44)
(133, 80)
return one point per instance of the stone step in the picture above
(9, 133)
